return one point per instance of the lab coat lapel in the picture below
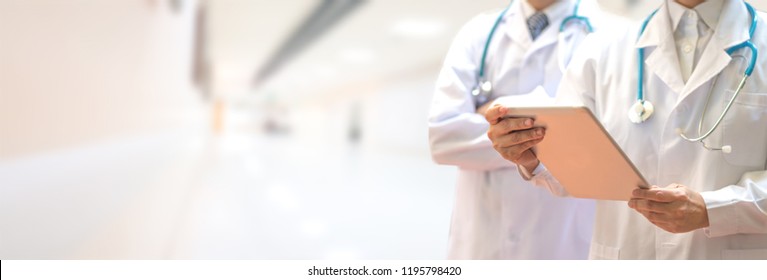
(731, 30)
(568, 33)
(516, 27)
(547, 38)
(660, 52)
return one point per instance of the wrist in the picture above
(704, 212)
(531, 166)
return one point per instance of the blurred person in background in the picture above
(511, 57)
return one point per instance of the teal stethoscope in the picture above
(484, 87)
(643, 109)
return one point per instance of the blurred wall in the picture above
(397, 112)
(387, 115)
(80, 71)
(759, 4)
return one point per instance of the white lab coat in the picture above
(734, 185)
(497, 214)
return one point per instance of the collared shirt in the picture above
(693, 29)
(556, 12)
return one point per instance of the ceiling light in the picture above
(358, 56)
(419, 28)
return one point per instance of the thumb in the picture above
(494, 114)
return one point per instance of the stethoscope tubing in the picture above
(482, 65)
(746, 74)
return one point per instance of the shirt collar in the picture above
(527, 9)
(555, 12)
(732, 27)
(708, 11)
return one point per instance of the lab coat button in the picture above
(687, 48)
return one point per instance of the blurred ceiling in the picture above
(321, 20)
(378, 39)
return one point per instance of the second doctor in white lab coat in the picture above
(497, 214)
(709, 204)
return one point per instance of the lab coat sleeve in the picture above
(541, 177)
(576, 88)
(738, 209)
(457, 134)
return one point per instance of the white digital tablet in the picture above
(581, 155)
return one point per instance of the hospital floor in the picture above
(191, 195)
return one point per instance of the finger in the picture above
(674, 186)
(519, 137)
(514, 124)
(655, 194)
(520, 149)
(661, 220)
(663, 225)
(493, 114)
(509, 125)
(514, 153)
(644, 205)
(656, 218)
(483, 109)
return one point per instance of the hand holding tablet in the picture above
(576, 149)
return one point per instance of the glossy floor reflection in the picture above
(236, 196)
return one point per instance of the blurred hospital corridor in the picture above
(237, 196)
(226, 129)
(222, 129)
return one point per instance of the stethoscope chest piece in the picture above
(641, 111)
(482, 92)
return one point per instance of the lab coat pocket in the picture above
(745, 130)
(602, 252)
(754, 254)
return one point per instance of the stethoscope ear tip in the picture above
(727, 149)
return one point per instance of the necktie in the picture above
(537, 23)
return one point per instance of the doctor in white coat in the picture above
(708, 202)
(497, 214)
